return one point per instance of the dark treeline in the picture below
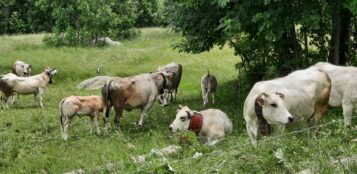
(78, 22)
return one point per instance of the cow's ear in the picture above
(261, 101)
(281, 95)
(177, 110)
(30, 66)
(189, 114)
(180, 106)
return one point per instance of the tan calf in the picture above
(81, 106)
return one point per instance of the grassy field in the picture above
(30, 137)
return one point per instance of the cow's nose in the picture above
(291, 119)
(170, 128)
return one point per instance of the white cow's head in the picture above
(26, 69)
(50, 73)
(182, 120)
(273, 108)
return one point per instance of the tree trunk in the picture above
(341, 21)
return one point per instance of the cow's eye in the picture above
(273, 105)
(182, 118)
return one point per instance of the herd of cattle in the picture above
(302, 95)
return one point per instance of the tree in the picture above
(271, 36)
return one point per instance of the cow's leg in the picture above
(92, 125)
(213, 97)
(175, 92)
(347, 108)
(252, 131)
(96, 121)
(35, 99)
(144, 111)
(118, 114)
(206, 99)
(66, 123)
(13, 97)
(41, 92)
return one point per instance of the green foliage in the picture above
(17, 25)
(149, 13)
(79, 22)
(272, 37)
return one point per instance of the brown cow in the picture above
(134, 92)
(81, 106)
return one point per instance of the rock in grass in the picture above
(172, 149)
(139, 159)
(94, 83)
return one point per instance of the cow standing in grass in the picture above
(208, 86)
(82, 106)
(21, 69)
(11, 84)
(134, 92)
(171, 91)
(302, 95)
(344, 88)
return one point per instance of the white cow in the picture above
(210, 125)
(302, 95)
(344, 88)
(21, 69)
(10, 84)
(208, 86)
(82, 106)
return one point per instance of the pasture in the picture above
(30, 137)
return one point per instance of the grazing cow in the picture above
(11, 84)
(301, 95)
(210, 125)
(344, 88)
(129, 93)
(81, 106)
(21, 69)
(208, 86)
(176, 69)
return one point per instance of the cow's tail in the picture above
(106, 100)
(62, 117)
(179, 76)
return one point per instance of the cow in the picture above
(301, 95)
(134, 92)
(344, 88)
(21, 69)
(176, 69)
(81, 106)
(208, 86)
(11, 84)
(210, 125)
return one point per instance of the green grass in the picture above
(30, 137)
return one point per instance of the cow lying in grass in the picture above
(344, 88)
(302, 95)
(21, 69)
(210, 125)
(134, 92)
(11, 84)
(81, 106)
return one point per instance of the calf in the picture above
(176, 69)
(302, 95)
(210, 125)
(80, 106)
(21, 69)
(344, 88)
(208, 86)
(129, 93)
(10, 84)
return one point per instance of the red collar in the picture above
(196, 123)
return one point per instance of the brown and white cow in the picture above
(208, 86)
(11, 84)
(134, 92)
(344, 88)
(210, 125)
(301, 95)
(168, 95)
(21, 69)
(81, 106)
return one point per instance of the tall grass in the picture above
(30, 137)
